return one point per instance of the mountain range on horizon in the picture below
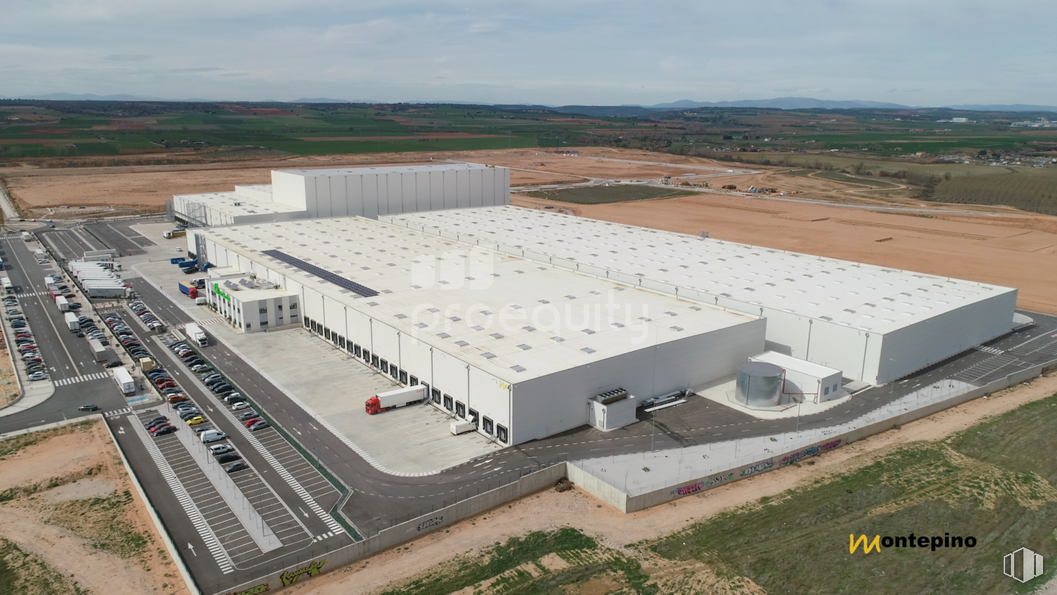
(783, 103)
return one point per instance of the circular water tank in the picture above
(759, 384)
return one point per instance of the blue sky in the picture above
(931, 52)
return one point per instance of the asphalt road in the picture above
(203, 566)
(65, 355)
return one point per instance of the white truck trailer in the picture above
(71, 321)
(395, 398)
(97, 350)
(62, 303)
(8, 286)
(26, 236)
(196, 334)
(124, 380)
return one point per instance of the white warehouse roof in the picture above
(426, 289)
(382, 169)
(860, 296)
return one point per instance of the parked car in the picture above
(159, 427)
(248, 415)
(239, 405)
(178, 398)
(213, 436)
(228, 457)
(236, 466)
(219, 449)
(165, 430)
(38, 376)
(194, 421)
(88, 407)
(259, 426)
(252, 420)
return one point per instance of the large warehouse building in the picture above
(363, 191)
(874, 324)
(522, 347)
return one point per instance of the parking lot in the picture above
(238, 546)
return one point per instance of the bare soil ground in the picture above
(8, 381)
(1003, 248)
(68, 506)
(549, 510)
(999, 245)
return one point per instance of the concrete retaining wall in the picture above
(625, 503)
(403, 532)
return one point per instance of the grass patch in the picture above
(846, 179)
(515, 568)
(1027, 190)
(26, 574)
(103, 522)
(11, 446)
(987, 482)
(596, 195)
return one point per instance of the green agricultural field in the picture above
(846, 179)
(541, 563)
(987, 482)
(1026, 189)
(596, 195)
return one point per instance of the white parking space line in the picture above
(207, 535)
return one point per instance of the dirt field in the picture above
(549, 510)
(69, 516)
(1009, 250)
(998, 245)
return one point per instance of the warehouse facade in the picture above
(519, 347)
(359, 191)
(874, 324)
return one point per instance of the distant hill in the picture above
(782, 103)
(89, 97)
(1016, 107)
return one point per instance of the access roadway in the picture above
(66, 355)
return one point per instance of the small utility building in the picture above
(521, 347)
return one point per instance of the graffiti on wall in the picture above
(290, 577)
(254, 590)
(757, 468)
(793, 457)
(701, 485)
(433, 522)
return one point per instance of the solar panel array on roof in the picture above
(321, 273)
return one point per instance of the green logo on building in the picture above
(216, 290)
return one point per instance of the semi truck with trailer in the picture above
(124, 380)
(71, 321)
(106, 291)
(189, 290)
(176, 233)
(26, 236)
(196, 334)
(395, 398)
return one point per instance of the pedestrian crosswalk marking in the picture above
(85, 378)
(118, 412)
(213, 320)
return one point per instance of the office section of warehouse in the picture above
(518, 346)
(360, 191)
(872, 323)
